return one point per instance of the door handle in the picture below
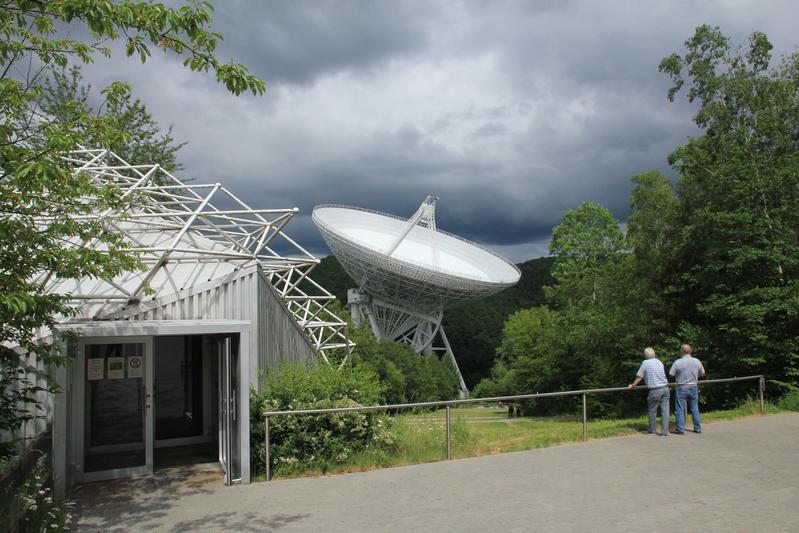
(145, 397)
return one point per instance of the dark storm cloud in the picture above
(298, 41)
(511, 112)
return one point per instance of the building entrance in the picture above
(150, 402)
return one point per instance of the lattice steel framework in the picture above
(185, 233)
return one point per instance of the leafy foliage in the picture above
(589, 247)
(66, 98)
(790, 400)
(313, 442)
(42, 204)
(475, 329)
(654, 207)
(35, 509)
(736, 234)
(588, 335)
(407, 376)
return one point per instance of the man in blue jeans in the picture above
(653, 374)
(686, 371)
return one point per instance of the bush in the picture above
(300, 443)
(407, 376)
(790, 400)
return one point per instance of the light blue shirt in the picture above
(653, 373)
(686, 370)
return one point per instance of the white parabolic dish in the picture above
(429, 269)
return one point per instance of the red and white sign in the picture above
(135, 366)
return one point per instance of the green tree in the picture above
(475, 329)
(591, 337)
(737, 229)
(654, 207)
(65, 95)
(599, 322)
(589, 249)
(408, 376)
(42, 203)
(528, 357)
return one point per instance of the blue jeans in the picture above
(691, 395)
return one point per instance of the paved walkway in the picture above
(736, 476)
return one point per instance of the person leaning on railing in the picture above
(686, 371)
(653, 374)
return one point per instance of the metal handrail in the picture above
(449, 403)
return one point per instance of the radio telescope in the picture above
(408, 272)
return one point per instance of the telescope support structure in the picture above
(422, 332)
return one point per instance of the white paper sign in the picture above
(116, 368)
(95, 369)
(135, 367)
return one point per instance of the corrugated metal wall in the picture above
(281, 337)
(242, 295)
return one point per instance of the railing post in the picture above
(585, 417)
(268, 470)
(762, 387)
(449, 434)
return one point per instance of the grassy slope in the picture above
(480, 431)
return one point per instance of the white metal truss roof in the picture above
(186, 234)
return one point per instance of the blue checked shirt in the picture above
(653, 373)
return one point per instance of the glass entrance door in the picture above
(229, 446)
(115, 401)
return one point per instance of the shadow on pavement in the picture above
(113, 505)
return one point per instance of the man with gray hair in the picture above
(686, 371)
(653, 374)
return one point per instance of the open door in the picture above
(229, 419)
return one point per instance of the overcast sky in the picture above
(510, 112)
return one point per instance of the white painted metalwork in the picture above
(409, 272)
(187, 234)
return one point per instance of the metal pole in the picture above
(266, 447)
(449, 434)
(585, 417)
(762, 387)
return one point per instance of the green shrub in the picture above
(790, 401)
(300, 443)
(33, 507)
(406, 375)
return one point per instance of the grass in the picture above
(476, 431)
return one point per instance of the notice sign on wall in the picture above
(95, 369)
(135, 367)
(116, 368)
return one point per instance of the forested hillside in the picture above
(475, 329)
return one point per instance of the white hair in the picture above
(649, 353)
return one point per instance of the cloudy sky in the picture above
(510, 112)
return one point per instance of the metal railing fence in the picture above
(495, 399)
